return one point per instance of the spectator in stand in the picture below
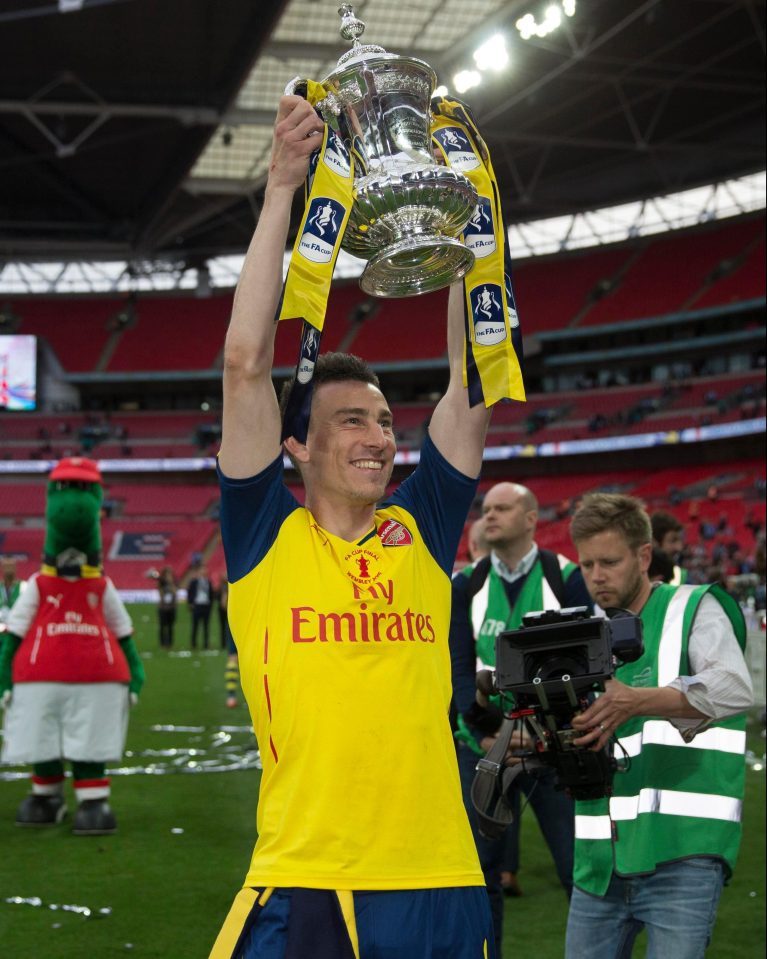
(723, 525)
(199, 597)
(707, 530)
(668, 536)
(752, 522)
(166, 607)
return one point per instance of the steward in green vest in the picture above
(490, 596)
(676, 799)
(656, 852)
(492, 609)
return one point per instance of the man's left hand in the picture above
(519, 742)
(612, 708)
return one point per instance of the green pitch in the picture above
(160, 887)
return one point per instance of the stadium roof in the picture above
(139, 130)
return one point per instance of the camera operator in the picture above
(657, 853)
(490, 596)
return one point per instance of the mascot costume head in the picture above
(73, 518)
(68, 656)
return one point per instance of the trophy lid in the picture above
(352, 29)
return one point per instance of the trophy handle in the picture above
(291, 85)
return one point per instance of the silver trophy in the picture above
(408, 210)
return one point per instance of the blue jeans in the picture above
(676, 904)
(555, 814)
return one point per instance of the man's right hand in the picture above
(297, 133)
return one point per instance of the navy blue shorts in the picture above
(453, 923)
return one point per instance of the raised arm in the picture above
(250, 437)
(458, 430)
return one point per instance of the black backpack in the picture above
(551, 570)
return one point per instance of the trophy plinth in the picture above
(408, 211)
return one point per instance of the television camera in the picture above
(551, 668)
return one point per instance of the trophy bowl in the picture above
(408, 210)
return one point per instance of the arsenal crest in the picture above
(392, 533)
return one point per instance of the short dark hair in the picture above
(663, 523)
(333, 368)
(661, 565)
(600, 512)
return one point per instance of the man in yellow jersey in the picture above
(656, 853)
(340, 612)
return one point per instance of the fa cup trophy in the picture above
(408, 211)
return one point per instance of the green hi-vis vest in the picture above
(491, 613)
(677, 799)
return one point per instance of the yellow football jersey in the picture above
(345, 665)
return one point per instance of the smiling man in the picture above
(340, 612)
(657, 852)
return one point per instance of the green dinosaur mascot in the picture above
(68, 666)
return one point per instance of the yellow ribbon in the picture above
(491, 319)
(328, 205)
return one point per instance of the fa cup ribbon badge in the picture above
(321, 230)
(487, 314)
(478, 234)
(458, 149)
(310, 345)
(336, 155)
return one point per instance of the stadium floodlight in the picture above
(492, 55)
(526, 26)
(441, 91)
(552, 18)
(466, 79)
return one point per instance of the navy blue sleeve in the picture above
(252, 512)
(576, 593)
(439, 497)
(463, 658)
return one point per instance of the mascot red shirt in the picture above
(69, 640)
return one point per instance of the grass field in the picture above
(169, 874)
